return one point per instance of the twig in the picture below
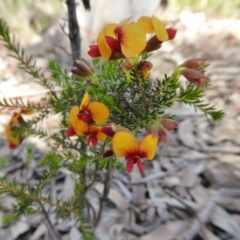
(74, 32)
(105, 194)
(53, 230)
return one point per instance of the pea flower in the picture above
(88, 113)
(125, 39)
(93, 132)
(126, 145)
(144, 67)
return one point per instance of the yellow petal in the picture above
(148, 145)
(10, 138)
(124, 22)
(132, 39)
(146, 24)
(73, 115)
(85, 101)
(124, 143)
(98, 112)
(159, 29)
(80, 127)
(104, 49)
(109, 30)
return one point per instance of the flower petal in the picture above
(146, 24)
(130, 164)
(140, 166)
(104, 49)
(109, 30)
(80, 127)
(94, 51)
(124, 22)
(101, 136)
(148, 146)
(73, 115)
(124, 144)
(159, 29)
(27, 111)
(85, 101)
(12, 140)
(132, 39)
(98, 112)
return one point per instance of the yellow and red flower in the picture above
(15, 120)
(13, 141)
(126, 145)
(93, 132)
(125, 39)
(87, 113)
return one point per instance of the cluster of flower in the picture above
(82, 120)
(15, 121)
(128, 40)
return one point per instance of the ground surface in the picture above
(193, 185)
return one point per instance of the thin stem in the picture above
(105, 193)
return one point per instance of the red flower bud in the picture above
(195, 77)
(169, 124)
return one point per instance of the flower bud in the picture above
(128, 65)
(196, 63)
(169, 124)
(144, 67)
(110, 129)
(107, 151)
(163, 136)
(82, 68)
(195, 77)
